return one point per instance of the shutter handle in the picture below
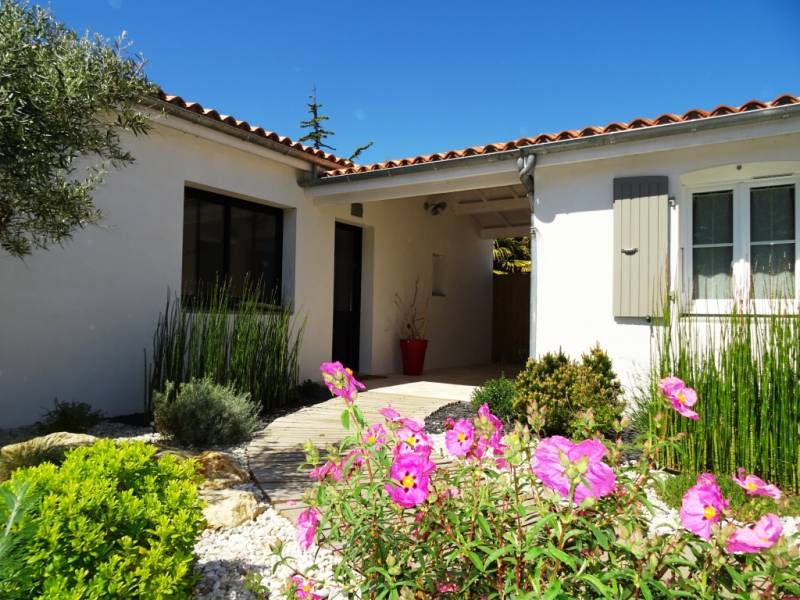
(629, 251)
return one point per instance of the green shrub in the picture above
(499, 395)
(75, 417)
(112, 522)
(204, 413)
(563, 388)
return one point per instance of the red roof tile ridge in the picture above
(570, 134)
(210, 113)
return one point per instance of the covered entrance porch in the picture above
(429, 234)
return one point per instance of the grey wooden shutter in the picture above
(641, 231)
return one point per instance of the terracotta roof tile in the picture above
(212, 114)
(545, 138)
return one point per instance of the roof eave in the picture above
(247, 136)
(601, 139)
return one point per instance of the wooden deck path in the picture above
(275, 453)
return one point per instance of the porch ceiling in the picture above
(497, 212)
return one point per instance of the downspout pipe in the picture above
(526, 164)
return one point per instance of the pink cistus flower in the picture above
(329, 469)
(496, 424)
(680, 395)
(389, 414)
(412, 473)
(412, 442)
(702, 506)
(755, 486)
(307, 522)
(340, 381)
(763, 534)
(459, 439)
(304, 589)
(447, 588)
(495, 440)
(412, 424)
(556, 455)
(375, 435)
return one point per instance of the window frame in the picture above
(228, 202)
(741, 269)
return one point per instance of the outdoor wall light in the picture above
(435, 207)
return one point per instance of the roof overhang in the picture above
(499, 168)
(244, 134)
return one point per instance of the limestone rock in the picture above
(230, 508)
(221, 470)
(50, 447)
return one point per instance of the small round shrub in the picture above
(564, 388)
(499, 395)
(74, 417)
(204, 413)
(111, 522)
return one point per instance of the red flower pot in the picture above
(413, 352)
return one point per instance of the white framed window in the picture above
(741, 243)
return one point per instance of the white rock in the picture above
(230, 507)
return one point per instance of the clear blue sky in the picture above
(419, 77)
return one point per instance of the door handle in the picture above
(629, 251)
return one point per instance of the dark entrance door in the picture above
(347, 295)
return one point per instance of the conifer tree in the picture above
(318, 133)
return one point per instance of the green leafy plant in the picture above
(75, 417)
(514, 517)
(17, 501)
(511, 255)
(66, 100)
(204, 413)
(498, 394)
(112, 521)
(562, 389)
(249, 342)
(746, 369)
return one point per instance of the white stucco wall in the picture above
(574, 223)
(75, 320)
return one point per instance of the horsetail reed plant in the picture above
(746, 370)
(249, 342)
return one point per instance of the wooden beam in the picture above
(493, 233)
(488, 206)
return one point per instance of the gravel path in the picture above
(226, 557)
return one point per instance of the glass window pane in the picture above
(712, 218)
(772, 269)
(203, 243)
(772, 213)
(210, 242)
(712, 273)
(254, 249)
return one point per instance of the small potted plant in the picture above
(412, 335)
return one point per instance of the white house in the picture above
(704, 201)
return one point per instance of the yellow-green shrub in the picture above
(112, 522)
(564, 388)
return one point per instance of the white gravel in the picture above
(225, 557)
